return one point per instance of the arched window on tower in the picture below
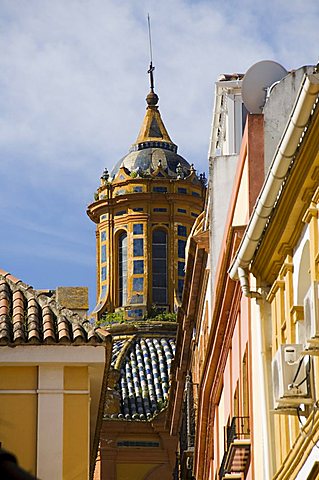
(159, 267)
(122, 268)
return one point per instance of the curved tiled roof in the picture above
(144, 363)
(31, 317)
(152, 145)
(146, 160)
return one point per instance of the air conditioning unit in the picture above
(292, 377)
(311, 317)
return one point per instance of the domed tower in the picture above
(144, 210)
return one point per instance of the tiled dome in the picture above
(153, 145)
(144, 364)
(146, 160)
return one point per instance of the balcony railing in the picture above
(236, 458)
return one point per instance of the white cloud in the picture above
(73, 83)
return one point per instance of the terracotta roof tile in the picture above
(31, 317)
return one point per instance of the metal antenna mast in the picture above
(151, 69)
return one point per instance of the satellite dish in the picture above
(257, 80)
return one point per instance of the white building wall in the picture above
(225, 142)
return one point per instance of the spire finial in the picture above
(151, 69)
(151, 98)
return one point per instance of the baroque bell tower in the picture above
(144, 210)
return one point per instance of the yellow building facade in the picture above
(53, 370)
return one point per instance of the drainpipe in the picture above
(244, 283)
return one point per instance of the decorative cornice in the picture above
(277, 285)
(288, 266)
(297, 313)
(311, 212)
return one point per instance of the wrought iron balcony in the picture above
(236, 458)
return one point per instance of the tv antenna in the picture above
(151, 69)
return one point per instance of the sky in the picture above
(73, 82)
